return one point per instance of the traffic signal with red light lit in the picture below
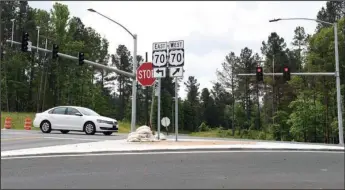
(286, 73)
(259, 74)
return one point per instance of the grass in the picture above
(18, 119)
(250, 134)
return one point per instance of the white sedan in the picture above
(73, 118)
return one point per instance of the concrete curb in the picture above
(178, 150)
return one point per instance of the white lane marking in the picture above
(19, 138)
(167, 152)
(63, 138)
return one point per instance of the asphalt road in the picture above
(278, 170)
(21, 139)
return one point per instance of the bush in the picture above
(262, 135)
(203, 127)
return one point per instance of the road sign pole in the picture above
(152, 103)
(159, 108)
(146, 97)
(176, 108)
(175, 64)
(159, 61)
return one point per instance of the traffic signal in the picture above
(286, 73)
(25, 41)
(55, 51)
(259, 74)
(81, 58)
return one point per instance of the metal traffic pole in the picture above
(281, 74)
(12, 36)
(38, 38)
(134, 85)
(131, 75)
(337, 74)
(134, 82)
(1, 50)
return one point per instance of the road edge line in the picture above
(178, 150)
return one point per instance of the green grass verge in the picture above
(18, 119)
(246, 134)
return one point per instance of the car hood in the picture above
(105, 118)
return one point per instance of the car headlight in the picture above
(103, 121)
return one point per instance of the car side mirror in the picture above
(78, 114)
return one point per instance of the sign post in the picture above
(166, 122)
(159, 61)
(176, 63)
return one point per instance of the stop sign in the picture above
(145, 74)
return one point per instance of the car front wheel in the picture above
(108, 133)
(89, 128)
(46, 127)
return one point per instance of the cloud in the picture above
(210, 29)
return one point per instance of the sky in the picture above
(210, 29)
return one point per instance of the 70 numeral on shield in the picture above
(161, 58)
(178, 57)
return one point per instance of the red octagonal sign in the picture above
(145, 74)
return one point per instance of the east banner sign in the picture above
(145, 74)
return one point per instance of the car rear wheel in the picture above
(46, 127)
(89, 128)
(64, 131)
(107, 133)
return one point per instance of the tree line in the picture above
(302, 109)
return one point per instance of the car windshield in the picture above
(89, 112)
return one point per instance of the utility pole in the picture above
(38, 96)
